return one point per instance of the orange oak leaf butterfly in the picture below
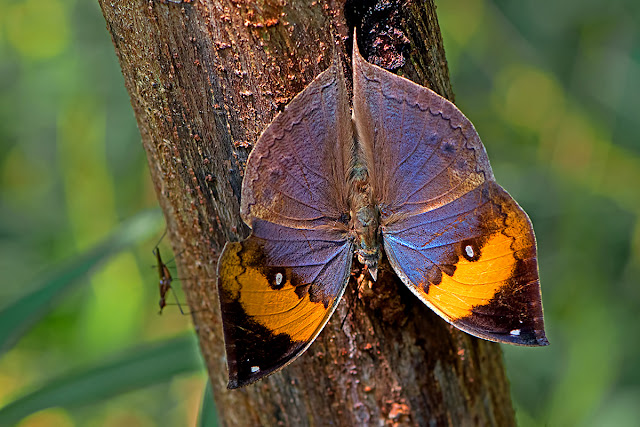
(406, 172)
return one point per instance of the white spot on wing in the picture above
(255, 369)
(279, 278)
(469, 250)
(515, 332)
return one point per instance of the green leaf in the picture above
(138, 368)
(208, 412)
(20, 315)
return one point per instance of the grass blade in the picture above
(20, 315)
(135, 369)
(208, 412)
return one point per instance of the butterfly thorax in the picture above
(364, 219)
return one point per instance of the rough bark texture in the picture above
(205, 77)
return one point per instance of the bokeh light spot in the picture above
(461, 19)
(38, 29)
(49, 417)
(529, 97)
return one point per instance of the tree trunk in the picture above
(205, 77)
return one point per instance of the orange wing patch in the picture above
(273, 313)
(475, 282)
(494, 290)
(277, 305)
(488, 286)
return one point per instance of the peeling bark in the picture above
(205, 77)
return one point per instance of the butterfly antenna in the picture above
(344, 319)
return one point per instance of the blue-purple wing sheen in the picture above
(279, 287)
(452, 234)
(414, 179)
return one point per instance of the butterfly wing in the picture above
(279, 287)
(452, 234)
(297, 173)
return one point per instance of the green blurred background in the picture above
(554, 91)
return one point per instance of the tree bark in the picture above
(205, 77)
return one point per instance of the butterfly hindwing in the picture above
(279, 287)
(477, 265)
(452, 234)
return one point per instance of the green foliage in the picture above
(21, 315)
(134, 369)
(552, 89)
(208, 414)
(79, 330)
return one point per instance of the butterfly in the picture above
(406, 173)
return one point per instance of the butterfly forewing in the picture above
(452, 234)
(297, 172)
(420, 151)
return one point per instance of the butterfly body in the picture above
(405, 174)
(365, 218)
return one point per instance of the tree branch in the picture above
(205, 78)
